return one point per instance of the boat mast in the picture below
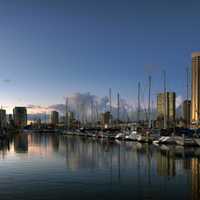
(149, 103)
(187, 104)
(118, 108)
(165, 101)
(66, 113)
(138, 113)
(110, 99)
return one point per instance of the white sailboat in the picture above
(132, 136)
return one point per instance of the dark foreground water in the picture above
(57, 167)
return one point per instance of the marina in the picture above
(91, 168)
(182, 137)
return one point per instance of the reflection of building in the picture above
(195, 179)
(187, 111)
(166, 103)
(3, 120)
(106, 119)
(195, 87)
(20, 116)
(21, 143)
(166, 164)
(187, 165)
(54, 118)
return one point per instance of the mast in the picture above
(187, 104)
(149, 103)
(165, 100)
(138, 113)
(118, 107)
(92, 119)
(97, 114)
(66, 113)
(110, 99)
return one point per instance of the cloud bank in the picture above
(88, 107)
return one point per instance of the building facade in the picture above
(54, 118)
(106, 119)
(3, 118)
(187, 112)
(70, 119)
(195, 87)
(166, 105)
(20, 117)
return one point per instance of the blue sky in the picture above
(54, 48)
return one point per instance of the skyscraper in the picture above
(54, 118)
(20, 116)
(166, 106)
(187, 112)
(195, 87)
(3, 120)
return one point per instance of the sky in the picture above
(50, 49)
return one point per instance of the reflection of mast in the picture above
(149, 164)
(111, 168)
(119, 163)
(138, 175)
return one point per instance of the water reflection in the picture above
(113, 169)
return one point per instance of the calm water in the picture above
(57, 167)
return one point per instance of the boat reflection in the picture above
(150, 169)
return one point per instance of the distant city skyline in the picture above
(53, 49)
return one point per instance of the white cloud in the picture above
(179, 101)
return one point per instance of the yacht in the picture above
(132, 136)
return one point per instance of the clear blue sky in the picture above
(53, 48)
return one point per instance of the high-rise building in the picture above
(3, 119)
(187, 112)
(106, 119)
(20, 116)
(166, 106)
(70, 119)
(54, 117)
(195, 87)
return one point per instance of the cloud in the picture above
(37, 109)
(179, 101)
(85, 106)
(7, 81)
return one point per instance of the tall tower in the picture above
(166, 106)
(195, 87)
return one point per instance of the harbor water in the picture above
(34, 166)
